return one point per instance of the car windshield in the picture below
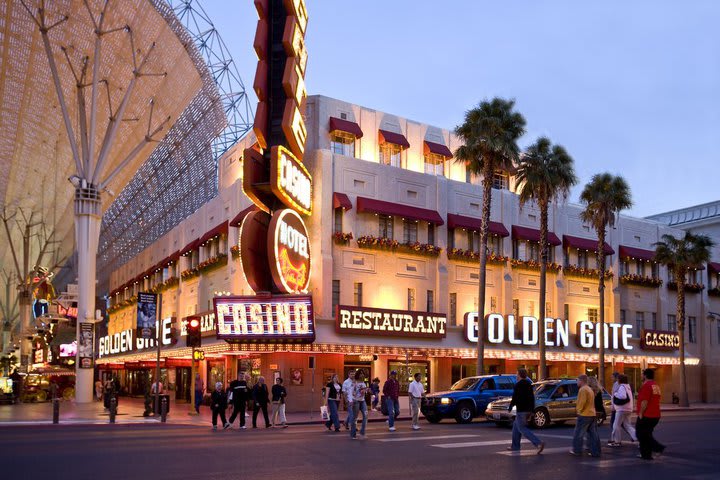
(544, 390)
(465, 384)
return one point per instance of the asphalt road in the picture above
(443, 451)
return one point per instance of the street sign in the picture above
(198, 355)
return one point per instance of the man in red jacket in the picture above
(391, 390)
(648, 411)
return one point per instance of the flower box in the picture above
(689, 287)
(382, 243)
(235, 252)
(534, 265)
(189, 273)
(212, 263)
(471, 256)
(341, 238)
(576, 271)
(640, 280)
(714, 292)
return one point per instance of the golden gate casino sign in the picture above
(274, 241)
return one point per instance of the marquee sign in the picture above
(265, 319)
(393, 323)
(289, 252)
(291, 182)
(127, 341)
(661, 340)
(526, 331)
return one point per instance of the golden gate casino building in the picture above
(391, 260)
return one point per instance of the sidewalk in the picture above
(130, 411)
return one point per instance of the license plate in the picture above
(496, 416)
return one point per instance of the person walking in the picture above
(358, 405)
(347, 388)
(218, 405)
(375, 389)
(594, 385)
(239, 390)
(199, 392)
(523, 399)
(648, 411)
(391, 390)
(416, 391)
(586, 422)
(332, 401)
(615, 387)
(623, 407)
(279, 394)
(260, 400)
(98, 390)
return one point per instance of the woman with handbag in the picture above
(623, 402)
(334, 394)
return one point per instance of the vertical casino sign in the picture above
(274, 241)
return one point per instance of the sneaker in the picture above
(416, 427)
(511, 449)
(574, 453)
(284, 425)
(392, 429)
(214, 427)
(243, 427)
(614, 444)
(644, 458)
(226, 426)
(540, 448)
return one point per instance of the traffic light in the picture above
(194, 339)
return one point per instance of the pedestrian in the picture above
(523, 399)
(218, 405)
(17, 386)
(586, 421)
(238, 389)
(199, 392)
(623, 407)
(416, 391)
(260, 398)
(648, 416)
(375, 389)
(332, 401)
(279, 394)
(98, 390)
(358, 405)
(347, 388)
(391, 390)
(594, 384)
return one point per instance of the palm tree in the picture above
(545, 173)
(682, 255)
(489, 134)
(604, 197)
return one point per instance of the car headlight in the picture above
(446, 401)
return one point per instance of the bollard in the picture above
(163, 409)
(56, 410)
(113, 408)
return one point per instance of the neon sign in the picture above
(288, 252)
(126, 341)
(398, 323)
(659, 340)
(292, 183)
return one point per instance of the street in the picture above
(443, 451)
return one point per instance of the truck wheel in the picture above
(465, 412)
(433, 418)
(540, 418)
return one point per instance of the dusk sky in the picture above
(627, 87)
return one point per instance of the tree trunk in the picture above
(487, 201)
(542, 370)
(680, 281)
(601, 312)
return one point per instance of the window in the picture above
(655, 269)
(453, 309)
(672, 323)
(566, 311)
(342, 143)
(338, 220)
(493, 305)
(640, 268)
(582, 259)
(592, 314)
(358, 294)
(533, 251)
(431, 234)
(450, 238)
(516, 308)
(623, 317)
(548, 309)
(468, 175)
(411, 299)
(670, 275)
(692, 329)
(500, 181)
(624, 267)
(390, 154)
(435, 164)
(692, 276)
(495, 243)
(473, 240)
(430, 301)
(639, 323)
(385, 226)
(653, 321)
(335, 294)
(410, 229)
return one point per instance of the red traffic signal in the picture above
(194, 323)
(194, 336)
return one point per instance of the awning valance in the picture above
(636, 253)
(221, 229)
(369, 205)
(235, 222)
(472, 223)
(190, 247)
(533, 235)
(438, 149)
(345, 126)
(395, 138)
(340, 200)
(585, 244)
(714, 267)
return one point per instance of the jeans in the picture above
(238, 409)
(622, 420)
(215, 413)
(278, 410)
(333, 411)
(520, 428)
(198, 400)
(393, 408)
(256, 410)
(415, 409)
(357, 407)
(586, 426)
(644, 429)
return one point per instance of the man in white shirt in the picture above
(416, 390)
(347, 388)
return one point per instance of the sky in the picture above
(631, 88)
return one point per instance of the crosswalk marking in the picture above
(531, 451)
(486, 443)
(434, 437)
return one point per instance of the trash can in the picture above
(167, 399)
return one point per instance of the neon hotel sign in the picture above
(127, 341)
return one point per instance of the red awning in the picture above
(438, 149)
(714, 267)
(235, 222)
(340, 200)
(221, 229)
(585, 244)
(637, 253)
(369, 205)
(345, 126)
(533, 235)
(190, 247)
(472, 223)
(173, 258)
(392, 137)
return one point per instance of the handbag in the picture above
(230, 396)
(324, 413)
(621, 401)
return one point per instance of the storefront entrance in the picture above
(406, 371)
(183, 377)
(251, 366)
(215, 373)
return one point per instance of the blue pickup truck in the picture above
(468, 398)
